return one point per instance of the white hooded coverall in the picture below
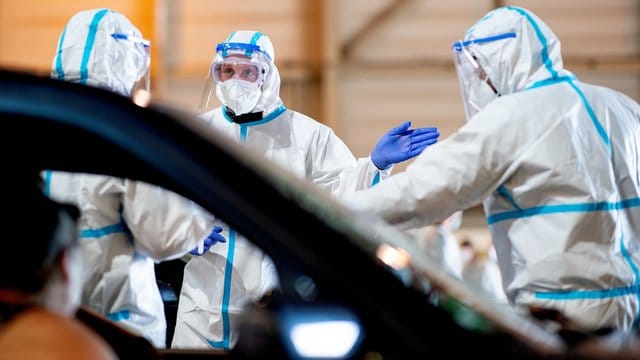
(220, 283)
(554, 162)
(125, 225)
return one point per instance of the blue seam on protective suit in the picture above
(103, 231)
(502, 190)
(633, 266)
(554, 74)
(119, 315)
(89, 233)
(244, 128)
(230, 37)
(254, 40)
(551, 81)
(243, 133)
(599, 294)
(554, 209)
(545, 53)
(216, 344)
(224, 51)
(120, 227)
(47, 183)
(226, 330)
(274, 114)
(226, 117)
(91, 38)
(636, 274)
(588, 294)
(594, 119)
(376, 179)
(59, 68)
(226, 295)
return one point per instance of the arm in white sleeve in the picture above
(369, 174)
(452, 175)
(164, 224)
(334, 168)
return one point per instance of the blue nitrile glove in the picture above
(400, 144)
(213, 238)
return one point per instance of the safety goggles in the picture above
(234, 67)
(240, 61)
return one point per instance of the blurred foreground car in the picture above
(351, 287)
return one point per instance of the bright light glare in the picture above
(327, 339)
(396, 258)
(141, 98)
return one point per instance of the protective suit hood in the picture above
(516, 63)
(269, 100)
(101, 48)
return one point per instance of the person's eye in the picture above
(228, 71)
(249, 74)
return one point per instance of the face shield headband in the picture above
(239, 61)
(476, 87)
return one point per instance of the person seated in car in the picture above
(39, 280)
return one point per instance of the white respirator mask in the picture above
(239, 95)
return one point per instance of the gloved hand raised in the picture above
(400, 144)
(213, 238)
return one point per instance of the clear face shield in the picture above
(476, 87)
(236, 76)
(141, 90)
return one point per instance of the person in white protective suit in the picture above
(481, 272)
(554, 162)
(441, 244)
(246, 81)
(125, 224)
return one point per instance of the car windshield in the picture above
(326, 256)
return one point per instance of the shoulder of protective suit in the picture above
(514, 113)
(301, 120)
(209, 115)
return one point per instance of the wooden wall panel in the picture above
(196, 26)
(375, 101)
(416, 30)
(626, 82)
(29, 30)
(401, 63)
(591, 28)
(201, 24)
